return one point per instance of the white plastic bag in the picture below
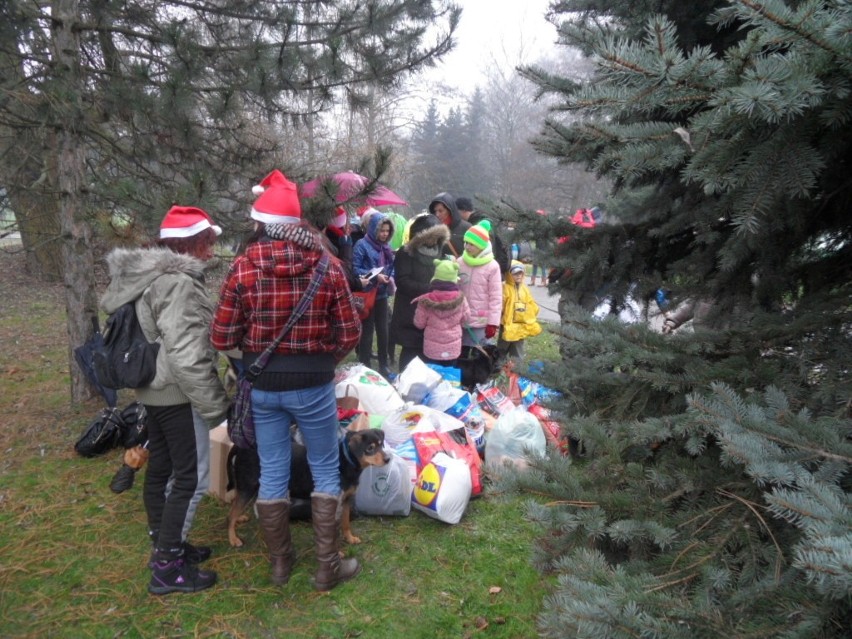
(399, 425)
(444, 396)
(416, 381)
(443, 489)
(513, 432)
(385, 490)
(375, 394)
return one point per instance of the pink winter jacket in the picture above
(441, 315)
(482, 286)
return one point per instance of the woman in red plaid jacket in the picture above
(261, 290)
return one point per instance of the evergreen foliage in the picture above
(195, 102)
(714, 496)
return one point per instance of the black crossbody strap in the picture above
(313, 286)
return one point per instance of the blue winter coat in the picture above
(366, 257)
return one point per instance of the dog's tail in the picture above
(229, 466)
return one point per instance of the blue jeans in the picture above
(315, 411)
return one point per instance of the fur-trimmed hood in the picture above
(131, 271)
(433, 236)
(440, 300)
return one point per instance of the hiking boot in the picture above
(178, 575)
(193, 554)
(196, 554)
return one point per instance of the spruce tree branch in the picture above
(795, 28)
(621, 62)
(717, 546)
(818, 451)
(792, 507)
(753, 508)
(570, 502)
(724, 506)
(668, 584)
(696, 563)
(593, 620)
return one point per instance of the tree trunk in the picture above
(23, 171)
(38, 222)
(75, 243)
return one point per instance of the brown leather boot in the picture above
(325, 516)
(274, 517)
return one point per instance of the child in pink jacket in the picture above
(441, 313)
(481, 283)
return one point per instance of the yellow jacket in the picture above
(520, 311)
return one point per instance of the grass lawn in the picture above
(73, 554)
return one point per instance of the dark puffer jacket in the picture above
(414, 268)
(458, 226)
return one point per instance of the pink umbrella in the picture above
(349, 189)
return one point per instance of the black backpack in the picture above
(125, 359)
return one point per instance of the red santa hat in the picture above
(186, 221)
(278, 202)
(340, 217)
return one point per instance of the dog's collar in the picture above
(346, 453)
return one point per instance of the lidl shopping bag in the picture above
(455, 443)
(443, 489)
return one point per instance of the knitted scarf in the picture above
(428, 251)
(294, 233)
(384, 249)
(481, 259)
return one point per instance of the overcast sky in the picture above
(495, 31)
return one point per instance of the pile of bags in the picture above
(440, 435)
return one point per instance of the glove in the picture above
(490, 331)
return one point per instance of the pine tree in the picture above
(425, 152)
(125, 107)
(453, 153)
(479, 176)
(714, 497)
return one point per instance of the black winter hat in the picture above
(464, 204)
(422, 223)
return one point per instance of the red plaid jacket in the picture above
(262, 288)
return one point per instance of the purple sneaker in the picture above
(178, 575)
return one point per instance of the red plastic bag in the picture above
(455, 443)
(364, 302)
(552, 429)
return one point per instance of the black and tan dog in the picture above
(358, 449)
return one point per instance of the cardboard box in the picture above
(220, 446)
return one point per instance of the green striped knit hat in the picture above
(478, 234)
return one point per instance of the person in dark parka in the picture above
(414, 268)
(443, 206)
